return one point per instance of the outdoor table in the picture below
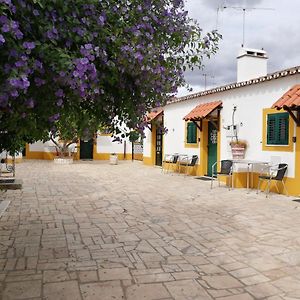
(250, 164)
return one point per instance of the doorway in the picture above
(86, 149)
(212, 146)
(158, 147)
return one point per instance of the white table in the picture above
(250, 164)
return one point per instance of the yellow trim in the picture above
(203, 147)
(153, 144)
(106, 156)
(284, 148)
(190, 145)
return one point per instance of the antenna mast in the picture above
(244, 9)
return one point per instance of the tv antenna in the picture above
(205, 75)
(244, 10)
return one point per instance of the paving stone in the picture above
(151, 278)
(237, 297)
(114, 274)
(263, 290)
(222, 281)
(67, 290)
(187, 290)
(103, 291)
(22, 290)
(55, 276)
(152, 291)
(87, 276)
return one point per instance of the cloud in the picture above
(214, 4)
(274, 30)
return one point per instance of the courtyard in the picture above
(96, 231)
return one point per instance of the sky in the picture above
(273, 25)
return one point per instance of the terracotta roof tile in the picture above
(154, 114)
(202, 111)
(289, 99)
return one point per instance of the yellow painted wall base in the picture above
(106, 156)
(148, 161)
(17, 160)
(40, 155)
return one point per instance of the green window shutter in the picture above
(191, 133)
(283, 129)
(271, 130)
(278, 129)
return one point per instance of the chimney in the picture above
(251, 63)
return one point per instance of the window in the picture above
(278, 129)
(191, 133)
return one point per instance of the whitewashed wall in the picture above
(147, 143)
(105, 144)
(250, 102)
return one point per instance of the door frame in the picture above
(210, 124)
(92, 153)
(204, 144)
(161, 153)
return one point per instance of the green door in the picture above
(86, 149)
(211, 147)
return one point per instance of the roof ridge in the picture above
(234, 85)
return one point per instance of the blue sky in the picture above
(276, 31)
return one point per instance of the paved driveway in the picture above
(95, 231)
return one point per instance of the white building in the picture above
(205, 123)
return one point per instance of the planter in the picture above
(238, 151)
(113, 159)
(63, 160)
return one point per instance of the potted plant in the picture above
(238, 148)
(113, 159)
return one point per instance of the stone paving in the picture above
(95, 231)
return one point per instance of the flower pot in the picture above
(113, 159)
(238, 151)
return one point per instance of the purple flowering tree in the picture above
(105, 57)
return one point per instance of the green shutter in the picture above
(191, 133)
(278, 129)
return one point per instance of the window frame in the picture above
(291, 132)
(277, 130)
(188, 143)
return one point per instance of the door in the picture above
(86, 149)
(158, 148)
(212, 145)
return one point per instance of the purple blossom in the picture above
(3, 19)
(54, 118)
(19, 35)
(3, 100)
(39, 82)
(59, 102)
(14, 25)
(13, 53)
(8, 2)
(36, 12)
(2, 39)
(84, 61)
(139, 56)
(29, 103)
(14, 93)
(59, 93)
(5, 28)
(20, 64)
(29, 45)
(88, 46)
